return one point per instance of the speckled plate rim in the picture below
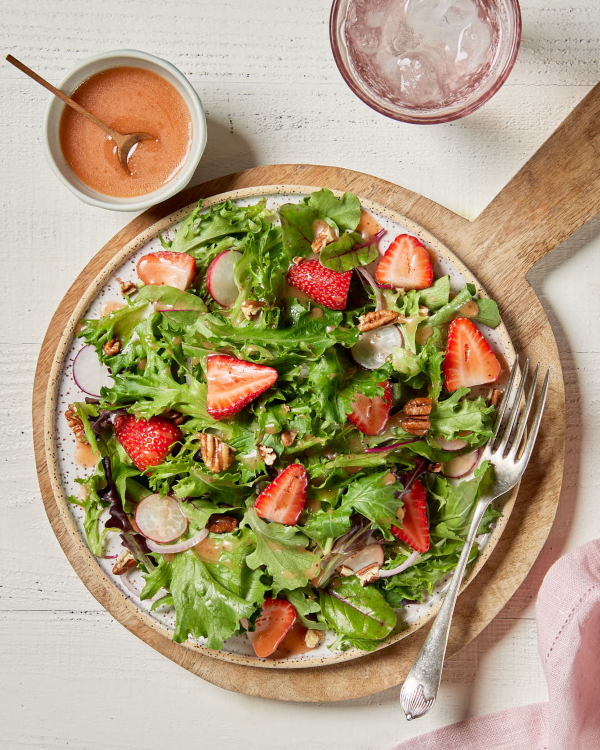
(66, 341)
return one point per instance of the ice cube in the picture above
(418, 78)
(474, 46)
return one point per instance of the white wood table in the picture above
(71, 676)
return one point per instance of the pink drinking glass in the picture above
(506, 16)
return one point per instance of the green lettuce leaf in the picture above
(357, 611)
(281, 549)
(456, 414)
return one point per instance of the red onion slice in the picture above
(366, 277)
(392, 447)
(410, 560)
(129, 586)
(180, 546)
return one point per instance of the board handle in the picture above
(555, 193)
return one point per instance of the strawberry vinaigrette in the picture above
(129, 100)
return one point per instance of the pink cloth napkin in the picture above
(568, 624)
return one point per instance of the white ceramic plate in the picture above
(63, 391)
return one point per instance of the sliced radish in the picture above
(220, 278)
(374, 347)
(372, 554)
(453, 445)
(89, 374)
(160, 518)
(461, 465)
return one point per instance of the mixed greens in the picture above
(358, 483)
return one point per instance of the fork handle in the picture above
(422, 682)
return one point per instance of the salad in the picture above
(287, 444)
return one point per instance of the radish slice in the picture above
(374, 347)
(461, 465)
(180, 546)
(221, 280)
(89, 375)
(369, 555)
(451, 445)
(410, 560)
(160, 518)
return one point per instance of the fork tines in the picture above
(506, 444)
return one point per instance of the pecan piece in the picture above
(175, 416)
(112, 347)
(220, 523)
(416, 419)
(368, 574)
(495, 397)
(251, 307)
(288, 437)
(76, 424)
(124, 562)
(376, 319)
(216, 454)
(313, 638)
(128, 288)
(323, 233)
(268, 455)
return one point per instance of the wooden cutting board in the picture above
(556, 192)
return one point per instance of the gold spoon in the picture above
(124, 142)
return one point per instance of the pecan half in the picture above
(312, 638)
(216, 454)
(368, 574)
(416, 416)
(76, 424)
(495, 397)
(251, 307)
(288, 437)
(418, 426)
(112, 347)
(376, 319)
(220, 523)
(124, 562)
(128, 288)
(268, 455)
(418, 407)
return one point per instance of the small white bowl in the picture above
(104, 61)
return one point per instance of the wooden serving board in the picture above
(556, 192)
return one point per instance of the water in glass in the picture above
(422, 54)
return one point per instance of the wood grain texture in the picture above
(508, 564)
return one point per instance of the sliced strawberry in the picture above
(147, 442)
(283, 500)
(370, 415)
(325, 287)
(405, 265)
(415, 528)
(469, 359)
(165, 268)
(234, 383)
(274, 623)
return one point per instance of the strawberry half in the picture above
(415, 528)
(405, 265)
(469, 359)
(370, 415)
(283, 500)
(165, 268)
(325, 287)
(234, 383)
(147, 442)
(274, 623)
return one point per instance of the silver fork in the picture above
(420, 688)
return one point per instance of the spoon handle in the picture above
(63, 97)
